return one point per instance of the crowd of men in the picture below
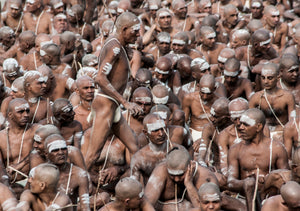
(150, 105)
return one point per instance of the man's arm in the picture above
(222, 142)
(156, 183)
(282, 157)
(78, 135)
(288, 137)
(248, 88)
(284, 28)
(290, 104)
(26, 201)
(83, 191)
(111, 55)
(186, 106)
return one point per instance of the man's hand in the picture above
(188, 179)
(108, 175)
(133, 108)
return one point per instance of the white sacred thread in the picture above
(116, 50)
(107, 68)
(37, 138)
(21, 204)
(162, 100)
(175, 172)
(256, 4)
(205, 90)
(231, 74)
(67, 108)
(143, 99)
(155, 126)
(70, 83)
(265, 42)
(22, 107)
(58, 144)
(162, 114)
(161, 72)
(211, 197)
(222, 59)
(246, 119)
(178, 42)
(265, 71)
(211, 35)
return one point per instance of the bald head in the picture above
(162, 110)
(67, 36)
(184, 66)
(144, 76)
(164, 63)
(270, 10)
(209, 190)
(6, 31)
(221, 106)
(142, 93)
(181, 36)
(225, 54)
(287, 61)
(89, 60)
(83, 79)
(232, 67)
(27, 36)
(260, 36)
(59, 104)
(239, 38)
(237, 107)
(18, 85)
(229, 8)
(126, 19)
(290, 192)
(160, 94)
(206, 30)
(253, 116)
(47, 173)
(207, 83)
(270, 69)
(178, 160)
(128, 188)
(47, 130)
(254, 25)
(50, 49)
(153, 122)
(41, 38)
(17, 103)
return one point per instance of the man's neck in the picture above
(258, 138)
(64, 167)
(48, 197)
(33, 99)
(158, 148)
(207, 48)
(86, 105)
(169, 29)
(15, 128)
(38, 12)
(272, 90)
(268, 27)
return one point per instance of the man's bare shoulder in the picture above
(256, 96)
(274, 202)
(80, 174)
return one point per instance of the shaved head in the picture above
(290, 193)
(178, 160)
(47, 173)
(128, 188)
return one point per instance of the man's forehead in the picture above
(164, 13)
(268, 71)
(15, 6)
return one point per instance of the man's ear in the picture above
(244, 42)
(42, 185)
(9, 114)
(259, 127)
(145, 132)
(126, 201)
